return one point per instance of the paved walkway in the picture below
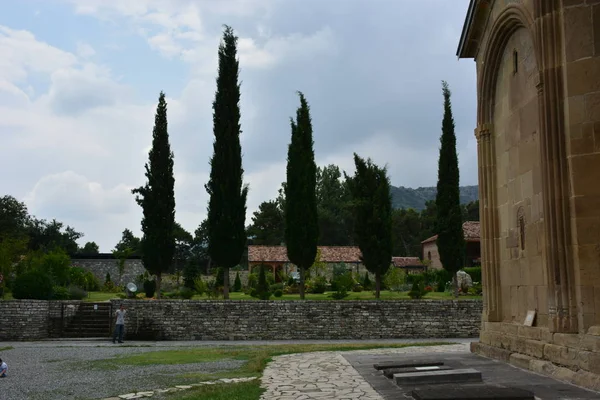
(327, 375)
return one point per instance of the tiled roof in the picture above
(406, 261)
(329, 254)
(471, 230)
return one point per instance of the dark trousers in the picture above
(119, 329)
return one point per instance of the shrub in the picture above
(191, 271)
(186, 293)
(367, 282)
(357, 288)
(149, 288)
(278, 293)
(418, 289)
(474, 273)
(318, 284)
(343, 283)
(77, 293)
(58, 265)
(61, 293)
(219, 277)
(262, 287)
(200, 286)
(237, 285)
(107, 279)
(339, 295)
(394, 279)
(34, 284)
(252, 280)
(276, 286)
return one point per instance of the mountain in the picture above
(415, 198)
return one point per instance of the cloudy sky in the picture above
(79, 82)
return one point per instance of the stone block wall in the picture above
(24, 319)
(573, 358)
(290, 320)
(100, 266)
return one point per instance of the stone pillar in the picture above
(562, 304)
(486, 160)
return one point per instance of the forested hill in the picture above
(415, 198)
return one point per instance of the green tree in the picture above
(406, 233)
(237, 284)
(471, 211)
(373, 217)
(129, 241)
(332, 201)
(157, 199)
(14, 217)
(227, 204)
(450, 241)
(268, 224)
(89, 248)
(183, 249)
(301, 215)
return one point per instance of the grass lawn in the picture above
(256, 358)
(365, 295)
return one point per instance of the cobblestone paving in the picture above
(327, 375)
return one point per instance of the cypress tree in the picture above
(301, 218)
(227, 204)
(157, 199)
(450, 241)
(372, 203)
(237, 284)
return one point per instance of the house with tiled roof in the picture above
(275, 257)
(409, 264)
(472, 234)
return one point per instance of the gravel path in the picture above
(50, 373)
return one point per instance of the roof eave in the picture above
(469, 38)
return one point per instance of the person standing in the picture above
(120, 324)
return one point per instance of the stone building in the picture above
(471, 230)
(538, 144)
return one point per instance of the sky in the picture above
(80, 79)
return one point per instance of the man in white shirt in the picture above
(120, 324)
(3, 369)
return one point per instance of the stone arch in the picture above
(513, 17)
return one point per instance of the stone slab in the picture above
(405, 364)
(466, 375)
(389, 373)
(473, 392)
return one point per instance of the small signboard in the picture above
(95, 307)
(529, 318)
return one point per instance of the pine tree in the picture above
(157, 199)
(450, 241)
(227, 204)
(372, 203)
(301, 218)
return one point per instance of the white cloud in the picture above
(84, 50)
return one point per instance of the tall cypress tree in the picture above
(227, 204)
(450, 241)
(372, 203)
(301, 218)
(157, 199)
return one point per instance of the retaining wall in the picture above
(260, 320)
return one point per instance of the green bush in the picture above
(278, 293)
(276, 286)
(58, 264)
(418, 289)
(367, 282)
(77, 293)
(339, 295)
(61, 293)
(252, 280)
(262, 287)
(149, 288)
(357, 288)
(395, 278)
(191, 271)
(34, 284)
(237, 285)
(186, 293)
(318, 284)
(219, 277)
(474, 273)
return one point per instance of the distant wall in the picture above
(100, 266)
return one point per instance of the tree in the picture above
(183, 248)
(89, 248)
(471, 211)
(301, 215)
(227, 204)
(331, 206)
(14, 217)
(406, 233)
(47, 236)
(157, 199)
(268, 225)
(450, 241)
(372, 203)
(129, 241)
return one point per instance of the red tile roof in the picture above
(471, 230)
(329, 254)
(406, 261)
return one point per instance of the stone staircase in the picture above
(91, 320)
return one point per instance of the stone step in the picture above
(438, 377)
(389, 373)
(472, 392)
(404, 364)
